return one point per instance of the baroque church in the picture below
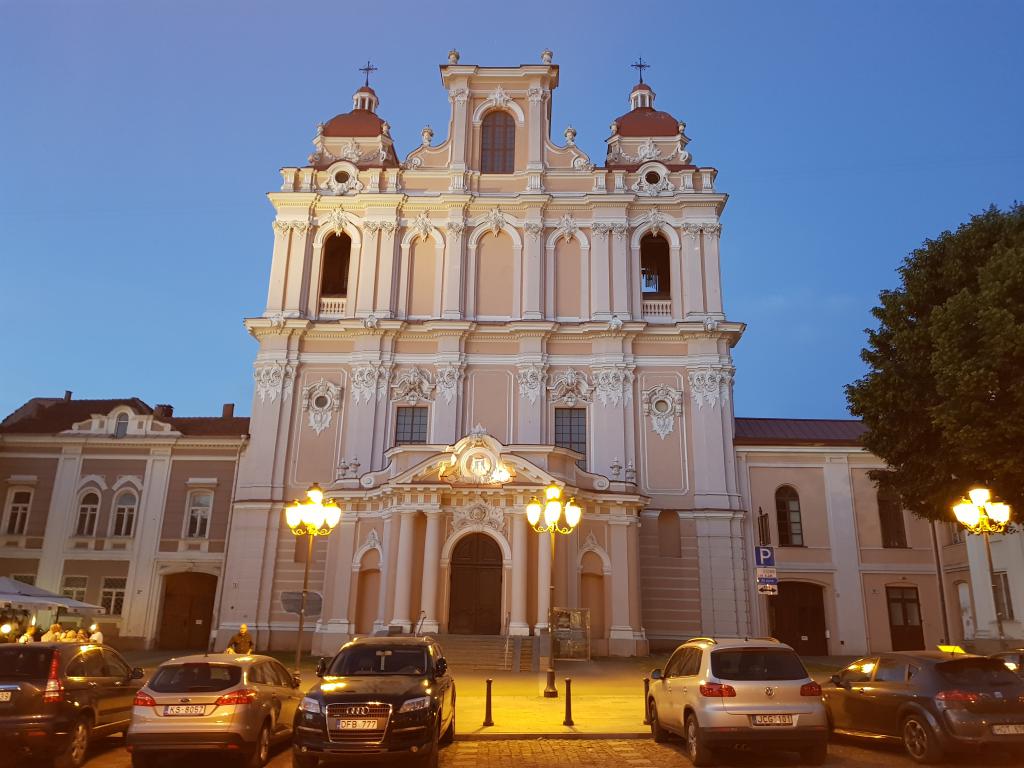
(446, 335)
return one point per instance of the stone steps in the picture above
(486, 652)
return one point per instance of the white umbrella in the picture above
(17, 594)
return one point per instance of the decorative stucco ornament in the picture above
(630, 472)
(320, 401)
(421, 226)
(662, 187)
(709, 386)
(499, 98)
(568, 228)
(711, 228)
(613, 385)
(274, 379)
(616, 468)
(615, 324)
(426, 135)
(447, 381)
(458, 95)
(453, 56)
(536, 95)
(570, 136)
(531, 380)
(455, 228)
(495, 220)
(370, 321)
(478, 515)
(369, 380)
(546, 56)
(648, 151)
(291, 226)
(691, 229)
(655, 218)
(571, 387)
(413, 385)
(533, 230)
(710, 325)
(337, 219)
(664, 405)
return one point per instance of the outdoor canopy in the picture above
(17, 594)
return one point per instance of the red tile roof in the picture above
(358, 122)
(231, 426)
(799, 431)
(647, 121)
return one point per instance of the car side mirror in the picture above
(657, 675)
(138, 673)
(837, 681)
(321, 667)
(441, 667)
(297, 679)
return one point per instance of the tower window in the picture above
(571, 431)
(498, 143)
(334, 278)
(411, 425)
(654, 269)
(121, 425)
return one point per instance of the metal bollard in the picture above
(487, 710)
(647, 707)
(568, 702)
(550, 692)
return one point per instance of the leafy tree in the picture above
(943, 399)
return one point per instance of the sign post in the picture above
(766, 577)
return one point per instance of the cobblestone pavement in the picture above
(612, 753)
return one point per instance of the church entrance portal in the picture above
(187, 612)
(475, 607)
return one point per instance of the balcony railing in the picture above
(657, 309)
(332, 306)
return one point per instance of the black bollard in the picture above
(568, 702)
(487, 710)
(550, 692)
(647, 706)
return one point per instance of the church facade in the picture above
(448, 334)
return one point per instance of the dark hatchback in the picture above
(378, 697)
(932, 702)
(55, 697)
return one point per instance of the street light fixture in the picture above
(980, 515)
(558, 518)
(312, 518)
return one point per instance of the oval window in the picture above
(652, 177)
(320, 401)
(342, 177)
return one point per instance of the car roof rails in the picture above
(703, 640)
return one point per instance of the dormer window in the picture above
(121, 425)
(498, 143)
(334, 276)
(654, 267)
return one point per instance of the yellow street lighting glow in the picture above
(553, 492)
(967, 513)
(315, 494)
(998, 512)
(5, 629)
(573, 513)
(979, 495)
(552, 511)
(533, 511)
(293, 514)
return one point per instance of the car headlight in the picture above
(414, 705)
(310, 705)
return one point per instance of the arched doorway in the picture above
(187, 611)
(798, 617)
(475, 605)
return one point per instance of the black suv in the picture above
(54, 697)
(379, 696)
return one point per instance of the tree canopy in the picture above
(943, 399)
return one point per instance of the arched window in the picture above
(498, 143)
(787, 510)
(654, 270)
(890, 516)
(88, 508)
(200, 505)
(121, 425)
(334, 276)
(125, 506)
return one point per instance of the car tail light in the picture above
(54, 691)
(810, 689)
(143, 699)
(956, 699)
(241, 696)
(717, 689)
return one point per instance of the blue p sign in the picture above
(764, 557)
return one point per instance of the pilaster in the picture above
(851, 619)
(58, 517)
(403, 574)
(335, 625)
(431, 568)
(518, 624)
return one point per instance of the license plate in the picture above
(183, 710)
(1014, 729)
(772, 719)
(360, 725)
(5, 695)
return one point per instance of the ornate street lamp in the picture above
(558, 518)
(312, 518)
(980, 515)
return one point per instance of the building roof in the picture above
(799, 431)
(358, 122)
(646, 121)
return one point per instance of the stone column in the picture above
(693, 294)
(384, 300)
(520, 541)
(624, 278)
(386, 571)
(335, 626)
(543, 582)
(600, 282)
(451, 291)
(535, 282)
(850, 635)
(279, 267)
(403, 572)
(58, 518)
(712, 269)
(367, 270)
(620, 635)
(431, 566)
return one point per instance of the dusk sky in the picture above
(138, 141)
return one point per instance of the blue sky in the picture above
(138, 139)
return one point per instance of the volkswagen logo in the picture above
(357, 711)
(769, 691)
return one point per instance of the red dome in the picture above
(358, 122)
(647, 121)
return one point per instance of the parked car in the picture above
(379, 697)
(1014, 660)
(220, 702)
(56, 697)
(933, 702)
(724, 692)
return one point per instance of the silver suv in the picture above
(724, 692)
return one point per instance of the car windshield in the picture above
(976, 672)
(377, 660)
(757, 664)
(18, 662)
(195, 678)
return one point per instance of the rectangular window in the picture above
(74, 587)
(24, 578)
(112, 594)
(411, 425)
(894, 531)
(199, 507)
(764, 536)
(1004, 601)
(571, 431)
(17, 513)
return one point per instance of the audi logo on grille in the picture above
(357, 710)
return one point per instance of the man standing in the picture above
(241, 641)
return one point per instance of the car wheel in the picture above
(919, 740)
(659, 734)
(696, 747)
(260, 751)
(430, 758)
(300, 760)
(449, 734)
(73, 755)
(814, 754)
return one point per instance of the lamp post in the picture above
(979, 514)
(558, 518)
(312, 518)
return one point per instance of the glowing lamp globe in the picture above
(332, 513)
(573, 513)
(533, 511)
(998, 512)
(552, 511)
(979, 495)
(293, 514)
(553, 492)
(967, 513)
(315, 494)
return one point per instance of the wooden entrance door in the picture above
(905, 619)
(187, 611)
(475, 605)
(798, 617)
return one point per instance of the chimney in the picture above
(163, 411)
(67, 395)
(228, 411)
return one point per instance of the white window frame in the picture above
(1002, 594)
(76, 593)
(9, 509)
(117, 420)
(95, 513)
(112, 533)
(188, 514)
(109, 593)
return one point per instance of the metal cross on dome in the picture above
(640, 66)
(370, 68)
